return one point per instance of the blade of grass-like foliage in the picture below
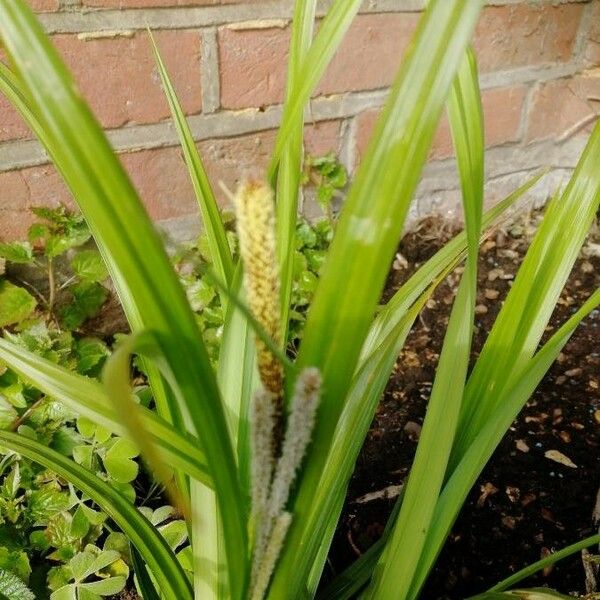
(13, 89)
(289, 172)
(365, 393)
(357, 575)
(488, 437)
(366, 237)
(87, 398)
(237, 374)
(142, 534)
(450, 253)
(10, 87)
(393, 574)
(547, 561)
(218, 245)
(309, 67)
(144, 582)
(132, 249)
(529, 594)
(379, 355)
(116, 380)
(257, 328)
(532, 298)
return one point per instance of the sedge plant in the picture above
(257, 452)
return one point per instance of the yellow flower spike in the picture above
(255, 211)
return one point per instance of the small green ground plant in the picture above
(256, 451)
(45, 524)
(48, 531)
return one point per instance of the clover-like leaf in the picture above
(175, 533)
(117, 461)
(83, 566)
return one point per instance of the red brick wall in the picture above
(540, 65)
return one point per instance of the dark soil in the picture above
(524, 505)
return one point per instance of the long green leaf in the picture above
(450, 253)
(532, 298)
(365, 240)
(144, 581)
(87, 398)
(393, 576)
(218, 245)
(365, 393)
(313, 64)
(139, 266)
(237, 373)
(143, 535)
(288, 177)
(481, 449)
(530, 594)
(116, 378)
(547, 561)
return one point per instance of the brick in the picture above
(252, 66)
(12, 126)
(370, 54)
(21, 190)
(163, 183)
(365, 123)
(526, 34)
(254, 61)
(591, 52)
(118, 77)
(43, 5)
(152, 3)
(159, 175)
(502, 109)
(564, 107)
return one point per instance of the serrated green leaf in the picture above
(88, 298)
(67, 592)
(7, 413)
(46, 502)
(160, 515)
(37, 232)
(65, 440)
(16, 303)
(11, 389)
(13, 588)
(15, 561)
(61, 242)
(200, 294)
(17, 252)
(90, 353)
(118, 541)
(80, 524)
(86, 563)
(89, 266)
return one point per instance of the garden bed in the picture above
(525, 504)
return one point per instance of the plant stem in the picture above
(20, 420)
(51, 287)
